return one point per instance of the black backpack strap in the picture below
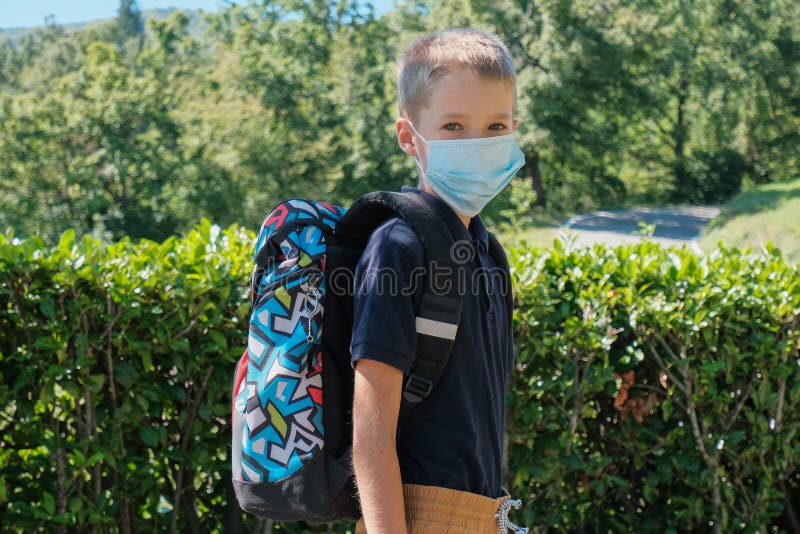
(499, 256)
(439, 311)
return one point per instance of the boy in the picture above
(438, 468)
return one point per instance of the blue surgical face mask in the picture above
(467, 173)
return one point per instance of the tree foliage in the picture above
(620, 102)
(129, 20)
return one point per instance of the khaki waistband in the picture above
(437, 510)
(458, 509)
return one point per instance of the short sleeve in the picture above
(388, 280)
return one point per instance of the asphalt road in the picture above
(673, 226)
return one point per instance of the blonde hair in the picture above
(432, 56)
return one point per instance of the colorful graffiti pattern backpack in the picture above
(293, 386)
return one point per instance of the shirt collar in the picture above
(477, 230)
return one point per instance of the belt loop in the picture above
(504, 522)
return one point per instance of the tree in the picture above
(130, 25)
(98, 154)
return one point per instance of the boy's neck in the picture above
(463, 218)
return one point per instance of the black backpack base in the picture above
(320, 492)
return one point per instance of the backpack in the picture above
(293, 386)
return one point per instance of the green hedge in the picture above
(116, 369)
(655, 389)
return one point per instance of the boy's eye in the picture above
(452, 126)
(497, 126)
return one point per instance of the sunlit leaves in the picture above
(613, 344)
(103, 368)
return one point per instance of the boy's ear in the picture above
(514, 125)
(405, 136)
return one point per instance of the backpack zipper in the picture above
(309, 337)
(287, 279)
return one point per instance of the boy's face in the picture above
(462, 105)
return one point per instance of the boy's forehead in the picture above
(459, 93)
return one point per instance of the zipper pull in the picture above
(311, 314)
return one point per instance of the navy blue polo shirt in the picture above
(454, 438)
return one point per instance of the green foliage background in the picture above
(117, 361)
(115, 378)
(706, 439)
(120, 130)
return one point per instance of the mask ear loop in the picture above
(416, 159)
(420, 171)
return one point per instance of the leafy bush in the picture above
(116, 370)
(654, 388)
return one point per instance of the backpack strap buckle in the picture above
(416, 388)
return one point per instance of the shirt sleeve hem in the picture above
(372, 351)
